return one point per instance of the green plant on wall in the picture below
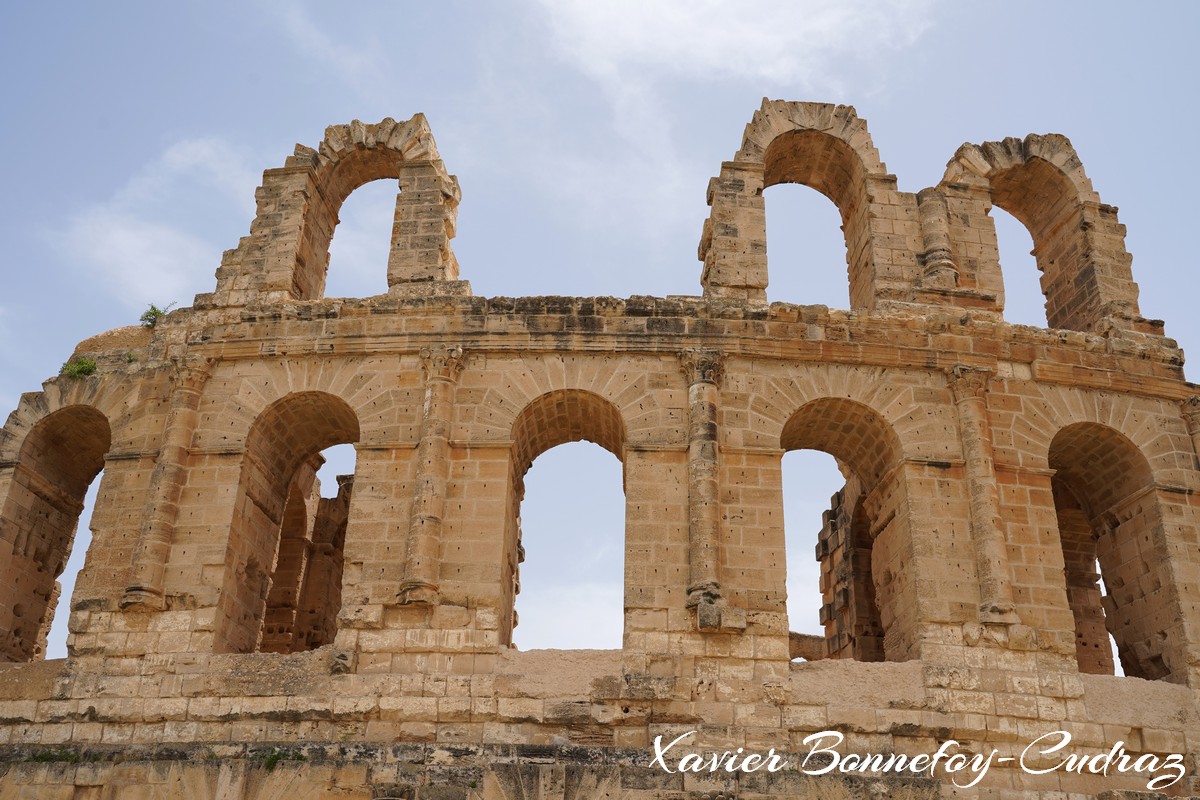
(78, 367)
(153, 314)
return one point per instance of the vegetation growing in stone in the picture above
(153, 314)
(78, 367)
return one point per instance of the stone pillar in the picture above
(424, 224)
(441, 367)
(703, 368)
(1191, 416)
(969, 385)
(153, 547)
(939, 270)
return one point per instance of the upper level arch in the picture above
(286, 255)
(1079, 243)
(828, 148)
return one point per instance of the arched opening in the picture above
(1024, 301)
(572, 571)
(60, 457)
(1109, 515)
(811, 482)
(584, 529)
(806, 249)
(282, 586)
(60, 613)
(856, 593)
(361, 244)
(1045, 202)
(829, 165)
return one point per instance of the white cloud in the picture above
(794, 42)
(211, 163)
(138, 242)
(362, 65)
(140, 261)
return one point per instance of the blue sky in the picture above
(583, 134)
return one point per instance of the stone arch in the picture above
(279, 460)
(554, 418)
(868, 451)
(286, 255)
(1079, 243)
(829, 149)
(1109, 509)
(57, 460)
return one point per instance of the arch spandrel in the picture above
(1155, 427)
(651, 408)
(383, 392)
(920, 416)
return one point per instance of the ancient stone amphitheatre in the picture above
(234, 635)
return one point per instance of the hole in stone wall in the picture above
(810, 479)
(573, 534)
(1116, 583)
(306, 581)
(358, 254)
(56, 639)
(1118, 669)
(339, 460)
(1024, 302)
(58, 461)
(806, 249)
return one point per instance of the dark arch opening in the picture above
(855, 611)
(1108, 514)
(284, 534)
(1045, 202)
(60, 457)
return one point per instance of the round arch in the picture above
(282, 447)
(1108, 512)
(57, 461)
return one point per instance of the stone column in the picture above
(939, 269)
(166, 487)
(1191, 416)
(441, 367)
(969, 385)
(703, 368)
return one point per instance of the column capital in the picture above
(702, 365)
(192, 372)
(967, 382)
(1191, 412)
(445, 362)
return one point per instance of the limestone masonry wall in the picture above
(234, 635)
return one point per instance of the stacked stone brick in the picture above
(1015, 496)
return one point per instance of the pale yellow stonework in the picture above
(235, 636)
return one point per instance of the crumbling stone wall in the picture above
(989, 468)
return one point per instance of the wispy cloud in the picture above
(138, 242)
(362, 64)
(798, 42)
